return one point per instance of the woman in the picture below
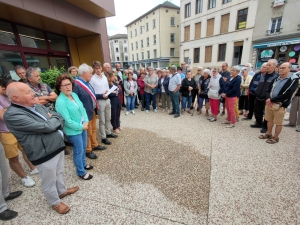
(231, 92)
(114, 102)
(141, 86)
(151, 82)
(203, 90)
(130, 87)
(216, 87)
(197, 77)
(243, 100)
(188, 86)
(163, 89)
(73, 71)
(76, 122)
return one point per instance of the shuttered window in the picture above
(222, 52)
(196, 55)
(224, 23)
(187, 33)
(210, 27)
(208, 53)
(198, 30)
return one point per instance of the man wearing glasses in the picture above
(226, 77)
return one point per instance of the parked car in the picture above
(295, 67)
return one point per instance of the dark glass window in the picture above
(58, 43)
(32, 38)
(7, 35)
(8, 61)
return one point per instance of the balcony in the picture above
(274, 31)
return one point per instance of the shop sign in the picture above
(284, 43)
(278, 3)
(283, 49)
(267, 54)
(242, 25)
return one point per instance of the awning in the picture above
(277, 43)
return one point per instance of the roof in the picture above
(118, 36)
(166, 4)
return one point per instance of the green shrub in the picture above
(49, 76)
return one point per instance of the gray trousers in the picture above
(165, 100)
(295, 111)
(4, 192)
(104, 114)
(51, 174)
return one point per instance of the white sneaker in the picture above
(133, 112)
(35, 171)
(28, 182)
(155, 110)
(147, 111)
(126, 113)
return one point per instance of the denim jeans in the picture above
(130, 102)
(148, 98)
(188, 100)
(143, 100)
(175, 101)
(200, 102)
(79, 145)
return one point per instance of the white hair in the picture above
(236, 68)
(106, 64)
(273, 61)
(250, 65)
(84, 68)
(206, 71)
(174, 68)
(200, 67)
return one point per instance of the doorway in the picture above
(237, 53)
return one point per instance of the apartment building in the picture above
(217, 31)
(277, 32)
(118, 47)
(153, 38)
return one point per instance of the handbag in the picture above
(213, 93)
(154, 90)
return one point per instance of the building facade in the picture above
(277, 32)
(216, 31)
(52, 33)
(153, 38)
(118, 48)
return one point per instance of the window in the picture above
(58, 43)
(32, 38)
(126, 58)
(148, 42)
(136, 45)
(131, 46)
(226, 1)
(187, 33)
(172, 38)
(222, 52)
(9, 59)
(137, 56)
(132, 57)
(199, 6)
(242, 19)
(124, 41)
(177, 12)
(196, 55)
(135, 31)
(147, 26)
(275, 25)
(172, 21)
(131, 34)
(148, 54)
(198, 30)
(210, 27)
(116, 41)
(125, 49)
(224, 23)
(142, 44)
(187, 12)
(172, 51)
(117, 49)
(208, 51)
(211, 4)
(154, 53)
(7, 36)
(167, 11)
(154, 39)
(118, 58)
(141, 29)
(154, 23)
(142, 55)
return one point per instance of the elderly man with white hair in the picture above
(174, 86)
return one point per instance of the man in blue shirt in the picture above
(174, 86)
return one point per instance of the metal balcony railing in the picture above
(274, 31)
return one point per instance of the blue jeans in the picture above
(200, 101)
(175, 101)
(130, 102)
(188, 100)
(79, 145)
(151, 97)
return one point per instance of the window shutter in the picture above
(198, 30)
(224, 23)
(210, 27)
(187, 33)
(208, 53)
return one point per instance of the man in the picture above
(21, 72)
(87, 96)
(10, 143)
(39, 132)
(250, 69)
(179, 71)
(43, 93)
(279, 96)
(226, 77)
(5, 195)
(260, 94)
(174, 86)
(252, 88)
(183, 68)
(100, 84)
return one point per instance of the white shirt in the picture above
(120, 75)
(162, 85)
(100, 85)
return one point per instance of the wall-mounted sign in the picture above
(283, 48)
(278, 3)
(292, 61)
(292, 53)
(267, 54)
(297, 48)
(242, 25)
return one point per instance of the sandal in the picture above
(88, 178)
(199, 112)
(88, 167)
(265, 136)
(273, 140)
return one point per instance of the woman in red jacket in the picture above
(141, 86)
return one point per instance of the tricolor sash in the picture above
(88, 90)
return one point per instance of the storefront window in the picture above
(37, 61)
(32, 38)
(59, 62)
(264, 55)
(57, 42)
(7, 36)
(8, 61)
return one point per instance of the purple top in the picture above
(4, 103)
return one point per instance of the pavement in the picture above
(187, 170)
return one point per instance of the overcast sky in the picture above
(127, 11)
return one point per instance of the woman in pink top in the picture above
(130, 87)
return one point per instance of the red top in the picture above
(141, 84)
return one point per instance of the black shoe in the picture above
(256, 125)
(100, 148)
(13, 195)
(111, 135)
(223, 113)
(8, 215)
(176, 115)
(67, 152)
(136, 107)
(88, 167)
(172, 113)
(263, 130)
(246, 118)
(91, 155)
(88, 178)
(105, 141)
(191, 108)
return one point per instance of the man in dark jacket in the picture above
(260, 93)
(279, 96)
(226, 77)
(39, 132)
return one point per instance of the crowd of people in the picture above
(40, 122)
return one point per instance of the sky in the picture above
(129, 10)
